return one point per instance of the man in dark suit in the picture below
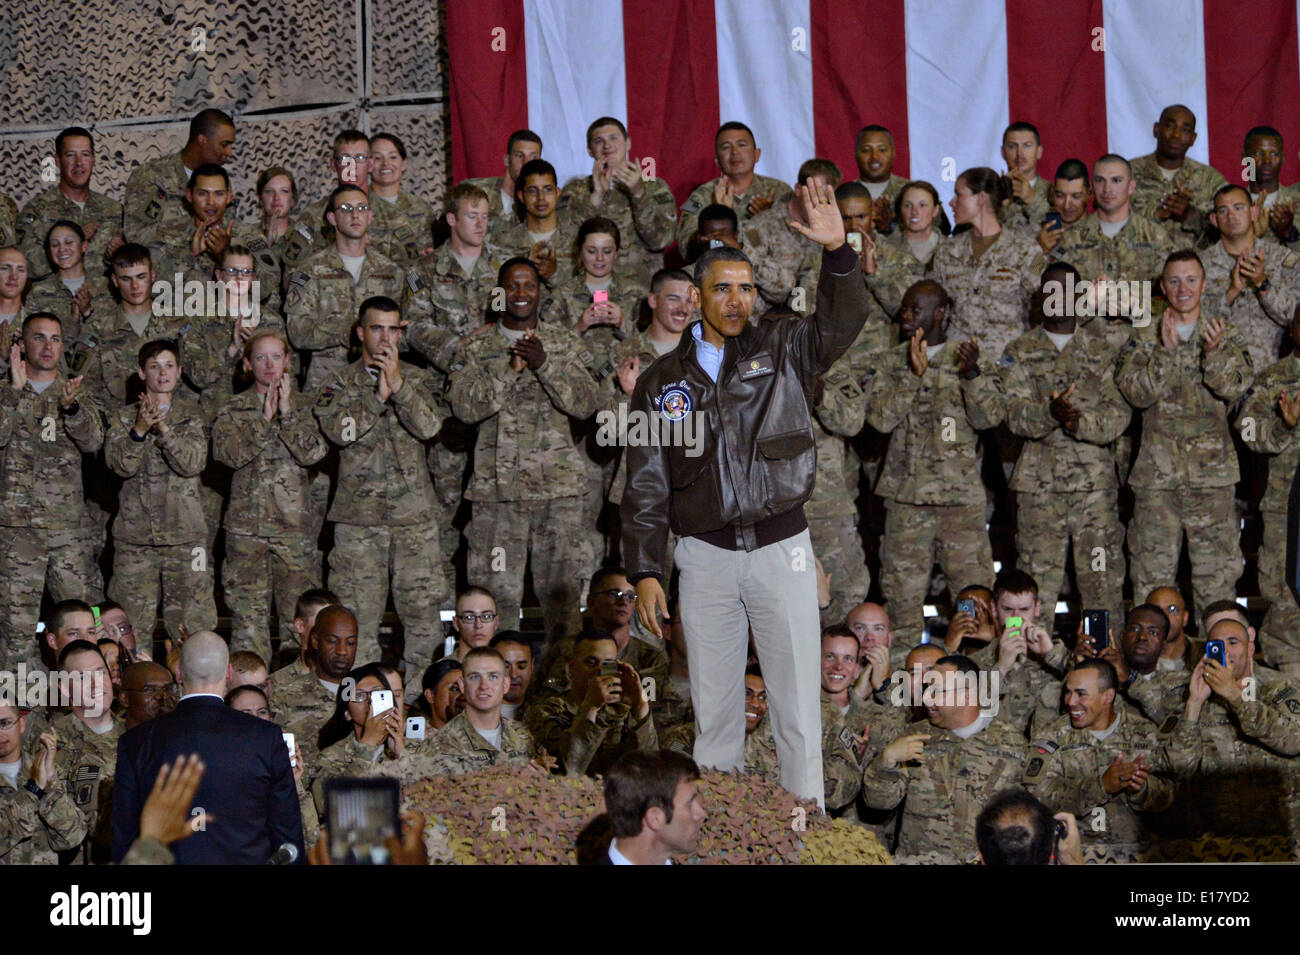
(248, 806)
(653, 803)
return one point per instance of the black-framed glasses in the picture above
(471, 618)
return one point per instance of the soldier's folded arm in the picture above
(1273, 724)
(1027, 415)
(842, 308)
(1146, 374)
(1046, 778)
(1158, 793)
(347, 414)
(891, 394)
(302, 436)
(1228, 370)
(434, 342)
(123, 453)
(86, 426)
(479, 389)
(883, 787)
(185, 447)
(416, 406)
(1108, 420)
(983, 398)
(569, 383)
(238, 436)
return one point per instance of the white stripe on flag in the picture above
(575, 74)
(1155, 56)
(957, 100)
(765, 78)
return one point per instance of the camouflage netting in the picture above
(135, 73)
(512, 816)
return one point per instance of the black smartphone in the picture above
(1214, 650)
(967, 606)
(1096, 627)
(1052, 220)
(360, 814)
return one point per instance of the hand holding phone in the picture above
(415, 727)
(381, 701)
(1215, 650)
(1096, 627)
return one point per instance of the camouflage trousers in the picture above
(1209, 517)
(29, 561)
(366, 561)
(1279, 634)
(907, 553)
(503, 535)
(1046, 526)
(185, 574)
(256, 569)
(838, 545)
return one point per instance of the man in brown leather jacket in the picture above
(721, 451)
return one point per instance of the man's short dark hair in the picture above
(1023, 127)
(60, 612)
(641, 780)
(523, 136)
(79, 646)
(131, 253)
(818, 166)
(1013, 580)
(534, 167)
(1183, 255)
(1107, 678)
(41, 317)
(605, 121)
(487, 653)
(873, 128)
(511, 263)
(852, 190)
(208, 169)
(1113, 157)
(730, 127)
(1014, 828)
(839, 630)
(1259, 131)
(717, 212)
(332, 203)
(1227, 188)
(590, 635)
(723, 253)
(208, 123)
(964, 664)
(602, 575)
(512, 636)
(317, 599)
(153, 349)
(1072, 169)
(663, 276)
(377, 303)
(71, 133)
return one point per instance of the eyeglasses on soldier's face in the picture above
(617, 595)
(157, 690)
(470, 618)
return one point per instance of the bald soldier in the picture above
(155, 193)
(1173, 190)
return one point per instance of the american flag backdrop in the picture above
(946, 76)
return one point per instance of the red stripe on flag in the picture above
(488, 88)
(859, 77)
(1056, 80)
(670, 51)
(1252, 79)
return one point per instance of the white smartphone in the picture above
(415, 727)
(855, 240)
(288, 741)
(381, 701)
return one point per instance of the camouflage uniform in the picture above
(1184, 475)
(1260, 316)
(48, 207)
(529, 474)
(303, 706)
(946, 791)
(926, 481)
(8, 221)
(160, 529)
(175, 258)
(349, 757)
(85, 765)
(1160, 693)
(42, 509)
(51, 295)
(514, 239)
(582, 747)
(786, 265)
(650, 661)
(689, 220)
(155, 202)
(459, 748)
(1137, 252)
(108, 354)
(1152, 187)
(990, 295)
(1029, 694)
(898, 269)
(35, 829)
(492, 186)
(894, 189)
(1066, 766)
(1237, 759)
(1263, 431)
(321, 306)
(384, 525)
(832, 509)
(1029, 214)
(646, 224)
(206, 360)
(1065, 483)
(309, 234)
(270, 547)
(841, 771)
(401, 229)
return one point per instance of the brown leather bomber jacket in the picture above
(737, 475)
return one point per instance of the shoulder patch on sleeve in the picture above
(1169, 725)
(414, 281)
(690, 207)
(1034, 769)
(846, 737)
(300, 279)
(850, 390)
(1292, 705)
(305, 231)
(1290, 261)
(326, 397)
(1045, 746)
